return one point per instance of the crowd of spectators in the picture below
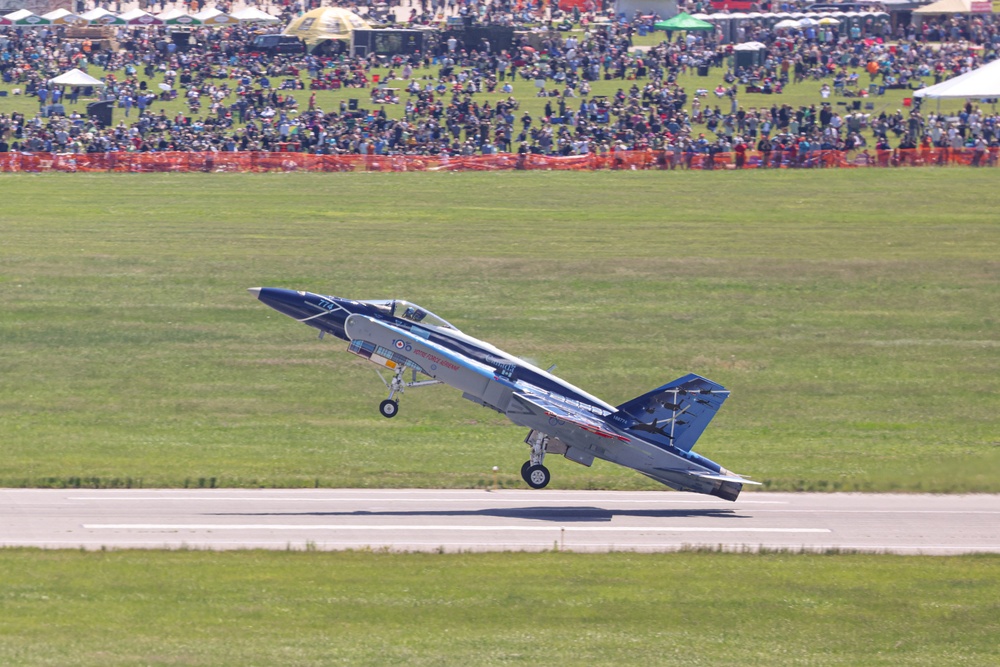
(238, 100)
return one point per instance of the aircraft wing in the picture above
(432, 359)
(561, 411)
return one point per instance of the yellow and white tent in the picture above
(325, 23)
(63, 16)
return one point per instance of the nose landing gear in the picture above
(389, 408)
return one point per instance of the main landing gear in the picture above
(533, 472)
(390, 407)
(536, 476)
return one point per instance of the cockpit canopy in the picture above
(411, 312)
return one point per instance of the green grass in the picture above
(853, 315)
(265, 608)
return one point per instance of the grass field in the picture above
(260, 608)
(853, 315)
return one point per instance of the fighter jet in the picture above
(419, 348)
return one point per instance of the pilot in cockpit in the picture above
(405, 310)
(413, 314)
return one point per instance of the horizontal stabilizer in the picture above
(675, 414)
(724, 485)
(717, 477)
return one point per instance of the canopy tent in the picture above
(99, 16)
(946, 7)
(981, 83)
(139, 17)
(177, 16)
(75, 78)
(64, 17)
(325, 23)
(212, 16)
(683, 21)
(254, 15)
(25, 17)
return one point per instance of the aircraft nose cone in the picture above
(296, 304)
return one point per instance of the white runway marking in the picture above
(447, 527)
(422, 501)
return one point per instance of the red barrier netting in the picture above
(259, 162)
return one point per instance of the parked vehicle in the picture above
(277, 44)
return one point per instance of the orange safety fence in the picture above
(260, 162)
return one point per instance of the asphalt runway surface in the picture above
(504, 520)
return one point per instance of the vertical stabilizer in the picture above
(675, 414)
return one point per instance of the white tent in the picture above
(75, 78)
(212, 16)
(749, 46)
(254, 15)
(26, 17)
(177, 16)
(99, 16)
(980, 83)
(139, 17)
(63, 16)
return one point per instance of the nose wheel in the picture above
(388, 408)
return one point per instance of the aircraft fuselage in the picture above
(329, 314)
(652, 434)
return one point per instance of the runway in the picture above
(505, 520)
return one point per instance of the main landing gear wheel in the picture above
(537, 477)
(524, 470)
(388, 408)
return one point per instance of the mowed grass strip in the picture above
(853, 314)
(311, 608)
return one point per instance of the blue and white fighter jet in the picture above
(653, 433)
